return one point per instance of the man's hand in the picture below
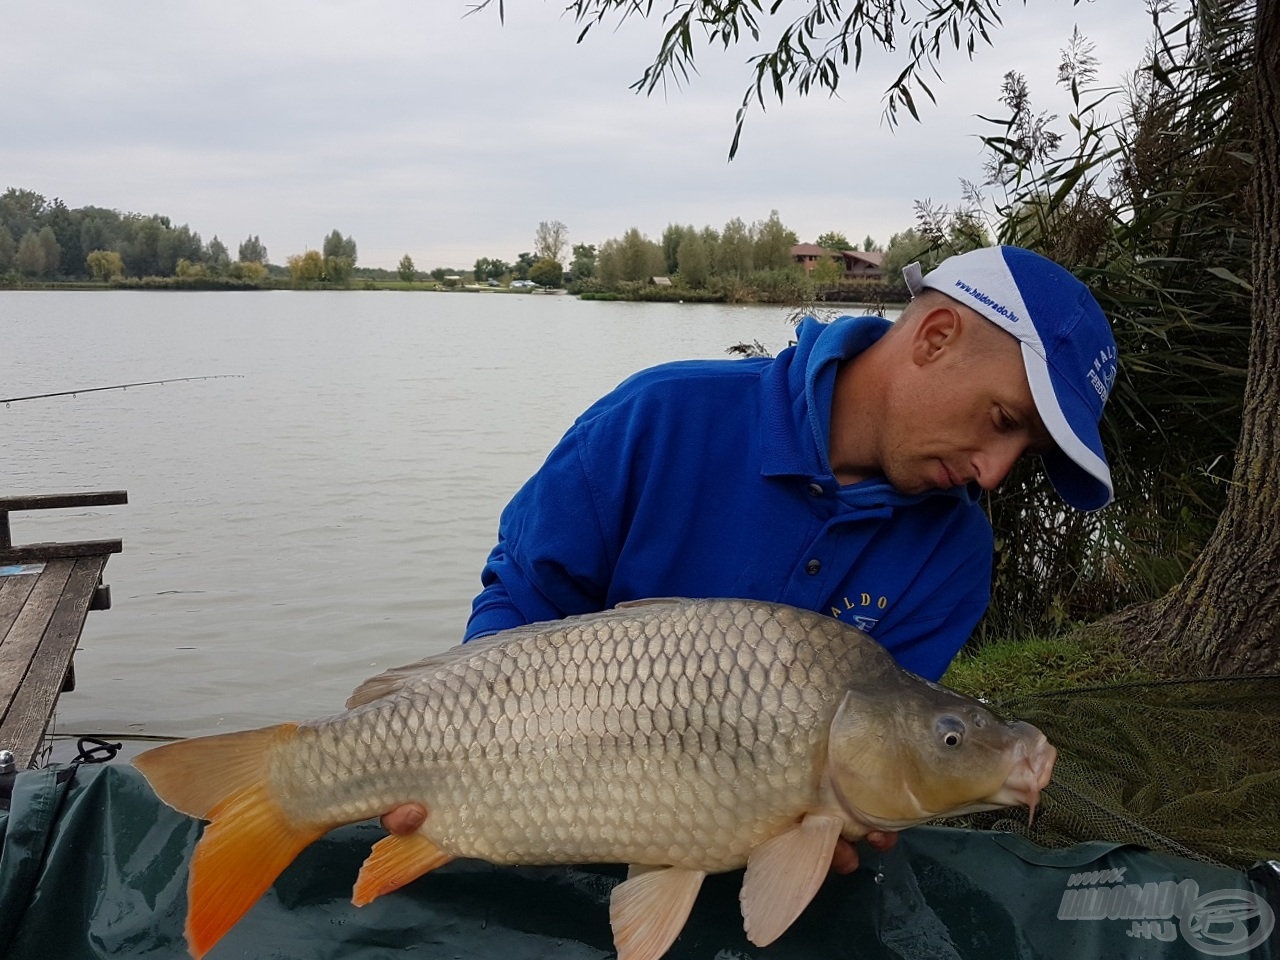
(404, 819)
(845, 858)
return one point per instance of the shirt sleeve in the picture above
(551, 559)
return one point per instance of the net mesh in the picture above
(1189, 767)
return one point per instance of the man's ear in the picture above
(936, 333)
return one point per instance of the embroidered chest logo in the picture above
(861, 610)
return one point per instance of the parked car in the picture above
(521, 284)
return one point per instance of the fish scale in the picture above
(686, 742)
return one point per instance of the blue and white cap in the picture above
(1067, 348)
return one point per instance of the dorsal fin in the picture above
(394, 680)
(397, 678)
(649, 601)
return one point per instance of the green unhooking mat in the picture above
(93, 866)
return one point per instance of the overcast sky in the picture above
(417, 129)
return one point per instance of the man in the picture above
(844, 476)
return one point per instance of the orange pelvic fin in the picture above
(393, 862)
(250, 839)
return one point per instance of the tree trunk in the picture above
(1225, 615)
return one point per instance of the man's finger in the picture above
(404, 819)
(844, 859)
(882, 840)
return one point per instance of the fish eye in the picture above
(950, 730)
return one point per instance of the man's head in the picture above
(1068, 353)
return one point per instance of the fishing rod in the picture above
(120, 386)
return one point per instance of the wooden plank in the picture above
(23, 638)
(59, 501)
(13, 595)
(51, 551)
(28, 717)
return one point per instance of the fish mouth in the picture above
(1033, 762)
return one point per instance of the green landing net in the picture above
(1190, 768)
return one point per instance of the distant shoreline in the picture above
(212, 285)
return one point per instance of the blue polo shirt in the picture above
(710, 478)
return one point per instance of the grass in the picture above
(999, 669)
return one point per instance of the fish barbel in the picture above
(682, 737)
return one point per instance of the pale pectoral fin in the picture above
(649, 909)
(783, 874)
(393, 862)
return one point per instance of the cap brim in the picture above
(1077, 468)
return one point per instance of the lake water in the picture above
(321, 511)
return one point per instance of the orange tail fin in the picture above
(250, 840)
(244, 849)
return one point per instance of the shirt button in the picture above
(812, 567)
(815, 490)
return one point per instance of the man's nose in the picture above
(993, 464)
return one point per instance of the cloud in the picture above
(416, 128)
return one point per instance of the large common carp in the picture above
(682, 737)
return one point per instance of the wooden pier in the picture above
(46, 592)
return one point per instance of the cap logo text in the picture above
(1102, 373)
(987, 301)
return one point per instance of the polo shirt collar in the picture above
(796, 408)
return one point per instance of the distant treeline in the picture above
(46, 239)
(738, 263)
